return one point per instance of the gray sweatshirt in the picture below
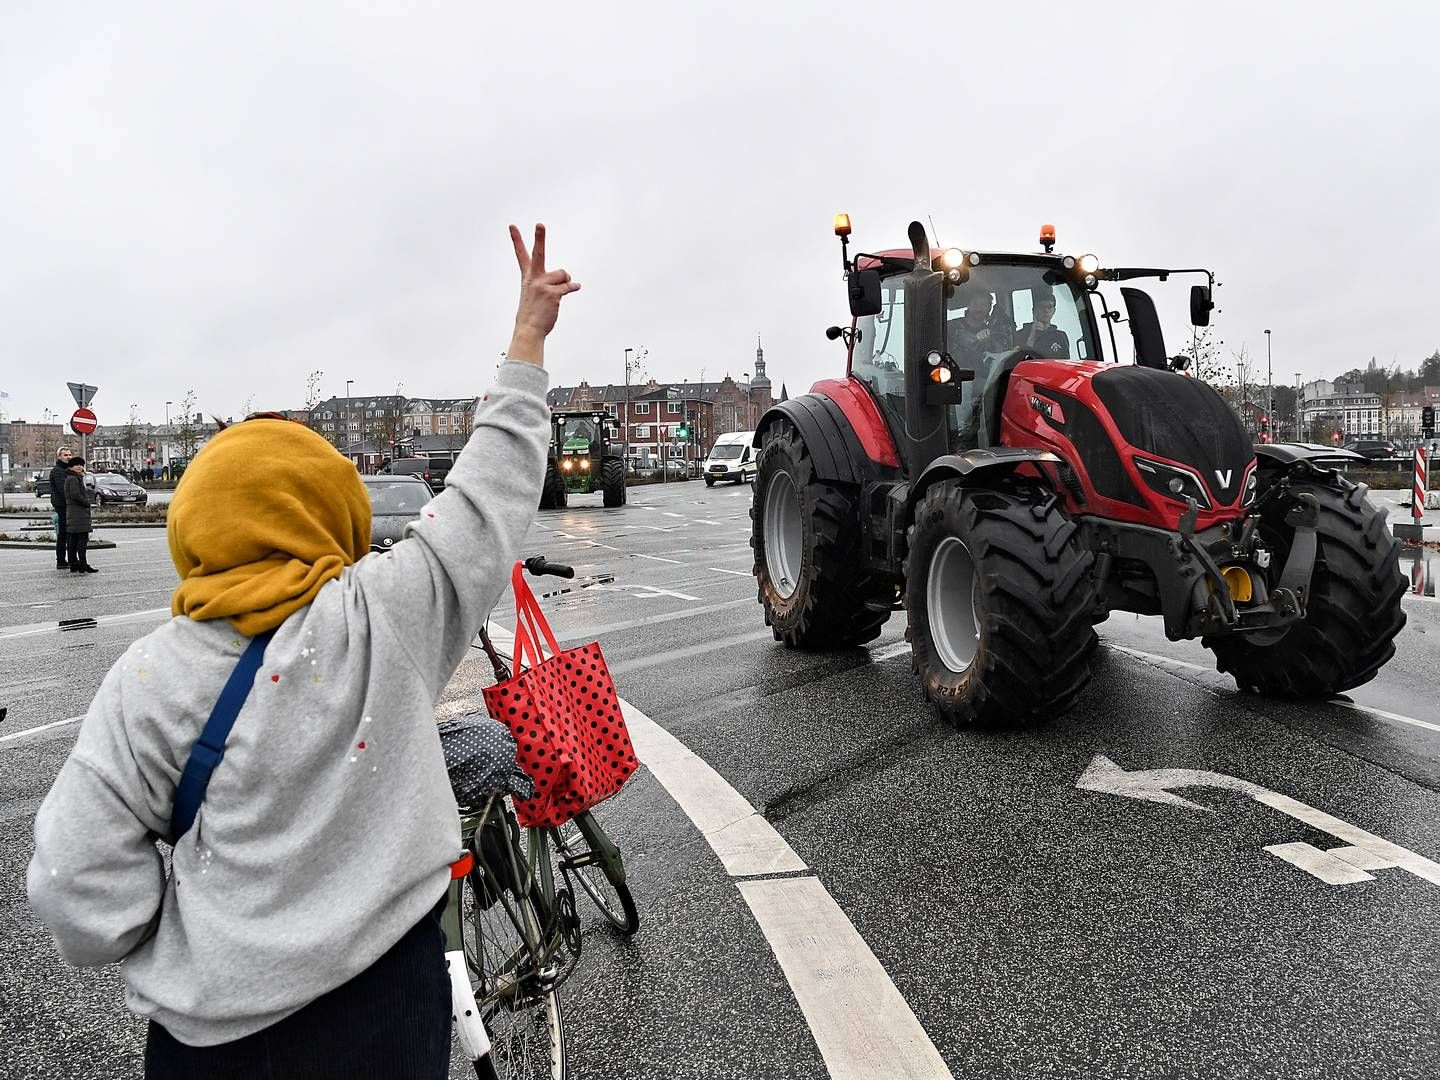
(328, 829)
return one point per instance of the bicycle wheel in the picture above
(517, 998)
(582, 847)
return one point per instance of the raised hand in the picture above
(541, 291)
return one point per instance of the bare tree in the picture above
(188, 434)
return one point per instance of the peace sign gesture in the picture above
(541, 291)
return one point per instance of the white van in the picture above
(731, 458)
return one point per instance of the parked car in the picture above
(1374, 449)
(113, 488)
(430, 469)
(395, 501)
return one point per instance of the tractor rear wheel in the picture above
(806, 535)
(612, 482)
(1353, 612)
(1000, 597)
(552, 494)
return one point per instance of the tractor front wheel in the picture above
(806, 536)
(1353, 610)
(612, 482)
(552, 494)
(1000, 596)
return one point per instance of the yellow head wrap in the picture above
(266, 514)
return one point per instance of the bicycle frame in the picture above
(539, 923)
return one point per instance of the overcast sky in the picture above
(228, 197)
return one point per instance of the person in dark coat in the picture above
(57, 503)
(77, 517)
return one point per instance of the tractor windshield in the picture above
(578, 433)
(1004, 314)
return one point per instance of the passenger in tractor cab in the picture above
(1041, 336)
(976, 333)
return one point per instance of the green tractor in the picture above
(585, 456)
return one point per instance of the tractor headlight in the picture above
(567, 464)
(585, 464)
(1088, 264)
(952, 259)
(1172, 483)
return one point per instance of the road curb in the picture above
(49, 545)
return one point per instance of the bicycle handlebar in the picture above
(538, 565)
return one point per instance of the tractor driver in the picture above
(1041, 336)
(975, 333)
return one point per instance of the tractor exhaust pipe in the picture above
(920, 245)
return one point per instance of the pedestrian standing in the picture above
(57, 503)
(77, 518)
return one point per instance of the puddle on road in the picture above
(1422, 567)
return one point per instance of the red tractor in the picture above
(982, 468)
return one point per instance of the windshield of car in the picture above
(727, 451)
(111, 480)
(398, 496)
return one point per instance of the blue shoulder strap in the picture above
(210, 747)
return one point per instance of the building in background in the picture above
(650, 413)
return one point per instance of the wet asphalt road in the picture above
(1035, 929)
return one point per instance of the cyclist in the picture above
(295, 933)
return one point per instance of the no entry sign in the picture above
(83, 422)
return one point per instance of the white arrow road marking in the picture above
(1339, 866)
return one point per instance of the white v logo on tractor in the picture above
(1223, 475)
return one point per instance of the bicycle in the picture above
(512, 933)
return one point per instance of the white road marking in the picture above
(1387, 715)
(1320, 864)
(42, 727)
(745, 842)
(722, 570)
(651, 592)
(1154, 785)
(703, 521)
(655, 558)
(669, 513)
(861, 1023)
(1397, 717)
(53, 628)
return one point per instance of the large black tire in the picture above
(1018, 647)
(811, 582)
(709, 481)
(1353, 613)
(552, 494)
(612, 482)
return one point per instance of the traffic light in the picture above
(1427, 419)
(683, 431)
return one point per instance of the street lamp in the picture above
(749, 404)
(1269, 381)
(630, 365)
(348, 383)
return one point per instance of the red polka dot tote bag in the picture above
(565, 716)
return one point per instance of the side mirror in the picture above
(864, 286)
(1201, 304)
(1145, 328)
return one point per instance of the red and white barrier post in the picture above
(1421, 485)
